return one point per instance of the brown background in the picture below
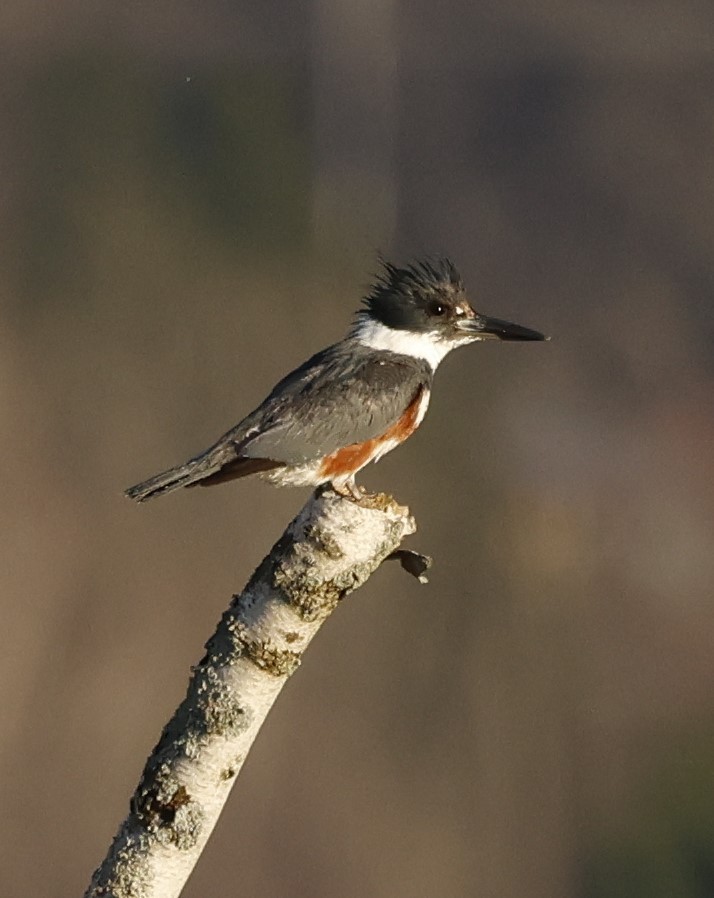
(191, 200)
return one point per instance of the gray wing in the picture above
(346, 394)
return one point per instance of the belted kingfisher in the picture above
(356, 400)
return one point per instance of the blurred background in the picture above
(192, 197)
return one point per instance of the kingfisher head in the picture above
(422, 311)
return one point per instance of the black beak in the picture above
(494, 329)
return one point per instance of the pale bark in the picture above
(330, 549)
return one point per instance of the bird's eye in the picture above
(437, 308)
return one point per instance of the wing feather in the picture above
(340, 397)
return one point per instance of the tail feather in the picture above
(207, 469)
(166, 482)
(189, 472)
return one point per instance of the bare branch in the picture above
(330, 549)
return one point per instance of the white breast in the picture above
(423, 406)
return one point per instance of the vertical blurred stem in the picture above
(330, 549)
(355, 103)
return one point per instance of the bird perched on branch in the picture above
(356, 400)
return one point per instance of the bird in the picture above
(356, 400)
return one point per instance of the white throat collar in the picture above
(427, 346)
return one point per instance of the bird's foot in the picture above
(359, 495)
(350, 490)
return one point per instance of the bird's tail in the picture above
(173, 479)
(217, 465)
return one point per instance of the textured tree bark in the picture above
(330, 549)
